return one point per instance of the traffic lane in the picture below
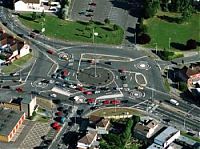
(102, 9)
(178, 119)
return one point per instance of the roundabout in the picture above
(102, 76)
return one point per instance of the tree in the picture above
(107, 21)
(34, 15)
(143, 38)
(115, 27)
(127, 132)
(43, 14)
(191, 44)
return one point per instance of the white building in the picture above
(28, 105)
(29, 5)
(166, 137)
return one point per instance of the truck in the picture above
(174, 102)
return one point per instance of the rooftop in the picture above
(166, 134)
(88, 138)
(155, 146)
(8, 120)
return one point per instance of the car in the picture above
(92, 4)
(36, 31)
(72, 86)
(45, 81)
(51, 81)
(115, 102)
(90, 10)
(106, 102)
(123, 78)
(117, 88)
(65, 73)
(104, 88)
(35, 92)
(32, 35)
(97, 92)
(125, 85)
(121, 70)
(6, 87)
(108, 63)
(89, 15)
(20, 35)
(14, 74)
(50, 52)
(88, 93)
(93, 107)
(19, 89)
(81, 12)
(90, 100)
(80, 89)
(124, 101)
(53, 95)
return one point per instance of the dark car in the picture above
(90, 10)
(108, 63)
(45, 81)
(123, 78)
(124, 101)
(104, 88)
(6, 87)
(36, 31)
(20, 35)
(89, 15)
(93, 4)
(35, 92)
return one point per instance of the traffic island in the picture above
(102, 76)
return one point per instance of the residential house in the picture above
(88, 140)
(145, 129)
(12, 48)
(100, 124)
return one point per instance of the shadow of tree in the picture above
(179, 46)
(130, 39)
(107, 28)
(170, 19)
(29, 18)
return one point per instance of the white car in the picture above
(72, 86)
(53, 95)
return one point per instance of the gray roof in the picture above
(27, 99)
(166, 134)
(8, 120)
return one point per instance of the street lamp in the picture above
(169, 42)
(156, 48)
(93, 35)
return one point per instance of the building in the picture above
(155, 146)
(166, 137)
(12, 48)
(100, 124)
(88, 140)
(145, 129)
(28, 105)
(28, 5)
(10, 121)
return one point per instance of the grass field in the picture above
(115, 111)
(16, 64)
(73, 31)
(161, 31)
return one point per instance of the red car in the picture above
(80, 89)
(59, 113)
(106, 102)
(19, 89)
(115, 102)
(91, 100)
(55, 124)
(50, 51)
(65, 73)
(88, 93)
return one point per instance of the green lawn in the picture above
(16, 64)
(73, 31)
(161, 30)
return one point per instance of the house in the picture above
(28, 5)
(88, 140)
(100, 124)
(12, 48)
(145, 129)
(166, 137)
(10, 121)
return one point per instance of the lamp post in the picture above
(169, 42)
(156, 47)
(93, 35)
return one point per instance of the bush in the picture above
(191, 44)
(115, 27)
(107, 21)
(183, 86)
(143, 38)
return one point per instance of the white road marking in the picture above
(73, 74)
(30, 71)
(131, 78)
(79, 63)
(139, 58)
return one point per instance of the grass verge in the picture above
(74, 30)
(191, 137)
(16, 64)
